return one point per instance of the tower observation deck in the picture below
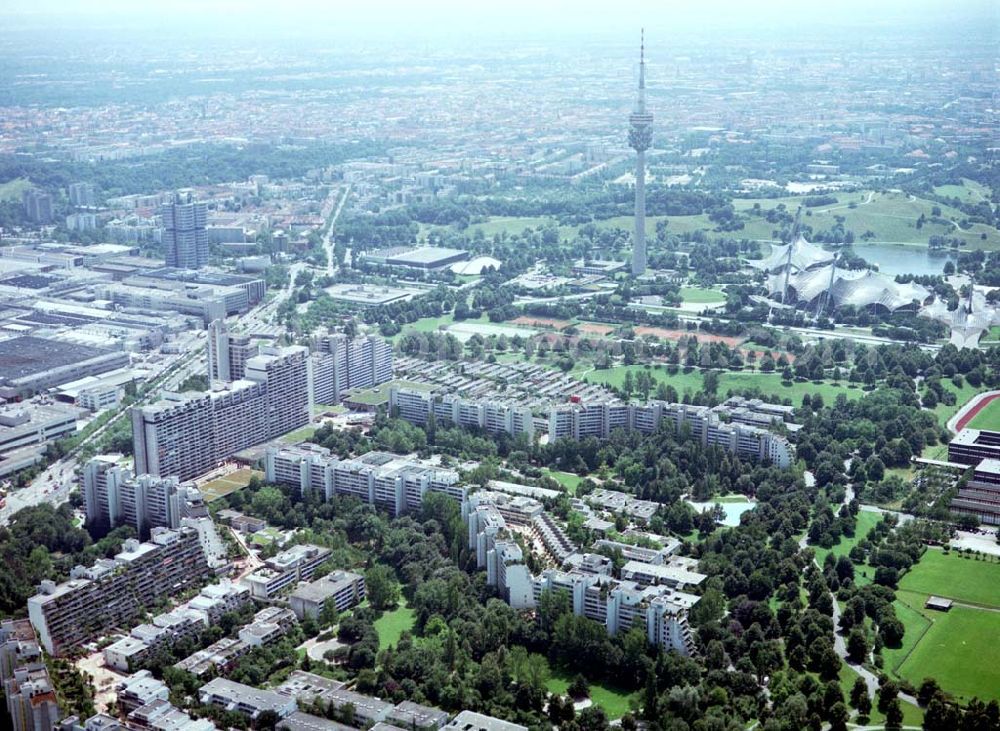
(640, 137)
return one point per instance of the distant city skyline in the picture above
(400, 20)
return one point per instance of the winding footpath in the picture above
(839, 643)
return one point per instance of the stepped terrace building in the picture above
(113, 592)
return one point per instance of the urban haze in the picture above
(499, 366)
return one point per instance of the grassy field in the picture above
(891, 217)
(912, 715)
(12, 189)
(943, 412)
(988, 417)
(866, 521)
(700, 296)
(299, 435)
(992, 335)
(566, 479)
(222, 486)
(615, 702)
(767, 383)
(955, 577)
(380, 394)
(969, 191)
(944, 649)
(938, 644)
(391, 625)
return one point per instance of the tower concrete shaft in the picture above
(640, 137)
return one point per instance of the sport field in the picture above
(961, 579)
(566, 479)
(391, 625)
(699, 296)
(988, 417)
(943, 412)
(939, 644)
(945, 649)
(222, 486)
(615, 702)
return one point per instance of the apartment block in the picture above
(285, 570)
(269, 625)
(347, 363)
(385, 480)
(245, 699)
(598, 420)
(980, 496)
(113, 496)
(228, 353)
(24, 679)
(112, 592)
(649, 595)
(472, 721)
(185, 435)
(139, 689)
(218, 658)
(496, 417)
(345, 588)
(161, 715)
(971, 446)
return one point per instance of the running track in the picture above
(969, 412)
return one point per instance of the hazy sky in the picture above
(515, 17)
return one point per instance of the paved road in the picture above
(328, 244)
(58, 480)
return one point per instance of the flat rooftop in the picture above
(427, 255)
(28, 355)
(370, 294)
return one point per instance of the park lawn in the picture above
(912, 715)
(992, 335)
(988, 417)
(768, 383)
(955, 577)
(616, 702)
(771, 383)
(969, 189)
(891, 217)
(698, 295)
(944, 651)
(866, 521)
(222, 486)
(567, 479)
(684, 381)
(299, 435)
(391, 625)
(12, 189)
(379, 395)
(943, 412)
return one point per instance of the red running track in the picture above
(971, 414)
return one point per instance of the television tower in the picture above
(640, 137)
